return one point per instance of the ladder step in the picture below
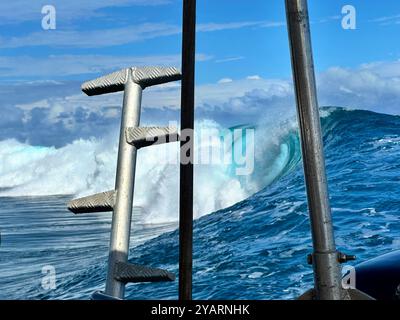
(126, 272)
(143, 76)
(100, 202)
(98, 295)
(146, 136)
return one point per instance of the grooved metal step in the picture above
(143, 76)
(146, 136)
(99, 295)
(126, 272)
(100, 202)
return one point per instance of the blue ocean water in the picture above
(254, 249)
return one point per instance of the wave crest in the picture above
(88, 166)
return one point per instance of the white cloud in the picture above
(230, 59)
(225, 80)
(17, 11)
(255, 77)
(69, 65)
(374, 86)
(208, 97)
(218, 94)
(387, 20)
(327, 19)
(92, 38)
(207, 27)
(117, 36)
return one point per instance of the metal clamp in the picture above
(342, 257)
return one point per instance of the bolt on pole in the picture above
(327, 275)
(186, 164)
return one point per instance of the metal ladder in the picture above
(132, 137)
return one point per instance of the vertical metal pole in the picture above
(186, 169)
(325, 258)
(124, 186)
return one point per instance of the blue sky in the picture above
(243, 63)
(235, 39)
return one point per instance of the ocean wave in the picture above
(85, 167)
(254, 249)
(88, 166)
